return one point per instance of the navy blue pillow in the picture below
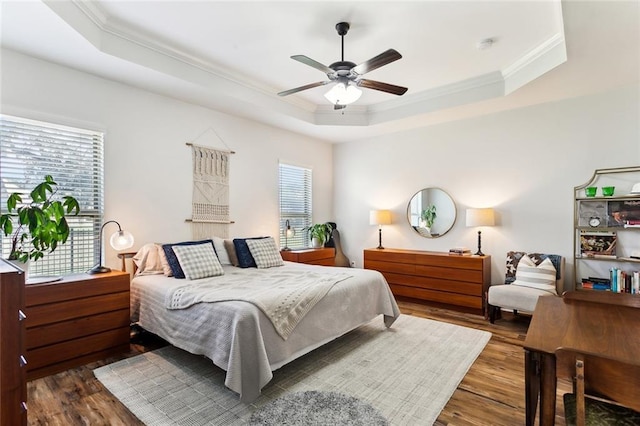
(245, 259)
(172, 259)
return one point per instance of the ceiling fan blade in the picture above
(301, 88)
(384, 58)
(383, 87)
(338, 106)
(312, 63)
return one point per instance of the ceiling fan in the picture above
(347, 76)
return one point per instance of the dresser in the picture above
(13, 387)
(453, 280)
(80, 319)
(314, 256)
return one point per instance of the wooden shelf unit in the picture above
(80, 319)
(616, 218)
(454, 280)
(313, 256)
(13, 385)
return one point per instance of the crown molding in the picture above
(543, 58)
(118, 39)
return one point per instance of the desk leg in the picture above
(531, 385)
(548, 390)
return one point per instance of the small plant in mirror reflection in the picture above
(429, 215)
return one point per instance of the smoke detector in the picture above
(485, 44)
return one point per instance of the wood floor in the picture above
(492, 392)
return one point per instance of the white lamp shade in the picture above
(121, 240)
(379, 217)
(343, 95)
(290, 232)
(481, 217)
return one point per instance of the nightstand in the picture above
(314, 256)
(77, 320)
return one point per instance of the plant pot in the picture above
(316, 243)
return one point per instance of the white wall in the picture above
(147, 164)
(525, 163)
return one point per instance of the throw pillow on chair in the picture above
(528, 276)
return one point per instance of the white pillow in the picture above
(148, 261)
(221, 251)
(265, 252)
(198, 261)
(166, 269)
(541, 277)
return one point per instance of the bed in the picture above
(237, 335)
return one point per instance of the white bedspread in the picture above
(284, 295)
(240, 339)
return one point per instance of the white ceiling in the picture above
(234, 56)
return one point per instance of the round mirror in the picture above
(431, 212)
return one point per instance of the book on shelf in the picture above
(625, 282)
(599, 280)
(460, 251)
(593, 283)
(589, 286)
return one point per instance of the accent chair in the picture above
(528, 276)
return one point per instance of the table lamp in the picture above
(288, 233)
(379, 217)
(120, 240)
(478, 218)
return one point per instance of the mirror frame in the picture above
(424, 233)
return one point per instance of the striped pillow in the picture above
(541, 277)
(198, 261)
(265, 252)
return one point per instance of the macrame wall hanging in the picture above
(210, 200)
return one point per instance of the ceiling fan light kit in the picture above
(342, 94)
(347, 76)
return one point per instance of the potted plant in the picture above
(429, 216)
(319, 234)
(38, 227)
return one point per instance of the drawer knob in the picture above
(23, 405)
(21, 315)
(23, 361)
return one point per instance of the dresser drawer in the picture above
(456, 281)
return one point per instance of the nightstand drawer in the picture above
(71, 322)
(314, 256)
(48, 334)
(62, 356)
(62, 311)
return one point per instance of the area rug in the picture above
(317, 408)
(406, 373)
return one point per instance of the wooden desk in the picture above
(609, 330)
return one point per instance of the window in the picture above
(29, 150)
(295, 204)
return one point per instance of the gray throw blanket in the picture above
(284, 296)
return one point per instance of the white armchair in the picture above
(523, 285)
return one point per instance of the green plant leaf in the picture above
(6, 224)
(41, 225)
(13, 201)
(71, 204)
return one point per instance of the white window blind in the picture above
(29, 150)
(295, 204)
